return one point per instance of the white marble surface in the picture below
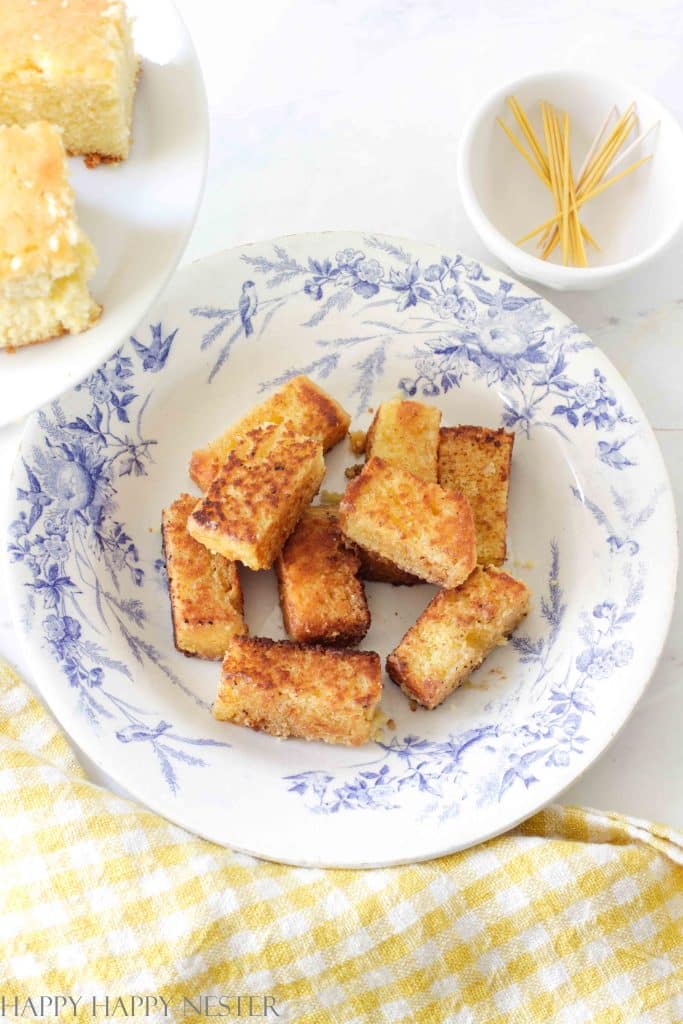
(347, 115)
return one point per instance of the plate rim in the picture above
(86, 740)
(202, 128)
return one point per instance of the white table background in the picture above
(346, 114)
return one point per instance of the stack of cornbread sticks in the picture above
(428, 505)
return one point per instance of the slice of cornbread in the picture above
(476, 462)
(70, 62)
(45, 259)
(310, 410)
(454, 634)
(406, 434)
(321, 597)
(289, 689)
(258, 495)
(418, 526)
(206, 597)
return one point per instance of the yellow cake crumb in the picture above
(45, 259)
(330, 498)
(72, 64)
(407, 434)
(357, 440)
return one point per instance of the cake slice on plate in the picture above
(70, 62)
(45, 259)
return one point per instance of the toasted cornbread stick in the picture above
(418, 526)
(321, 597)
(205, 592)
(312, 412)
(255, 501)
(476, 462)
(454, 634)
(288, 689)
(406, 434)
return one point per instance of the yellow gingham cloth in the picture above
(575, 917)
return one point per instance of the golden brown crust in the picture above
(324, 414)
(357, 441)
(454, 634)
(12, 349)
(92, 160)
(255, 501)
(420, 527)
(311, 411)
(376, 569)
(406, 434)
(207, 606)
(321, 597)
(292, 689)
(476, 462)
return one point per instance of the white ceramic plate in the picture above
(591, 530)
(138, 213)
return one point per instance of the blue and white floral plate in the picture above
(591, 530)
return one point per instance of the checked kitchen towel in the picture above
(575, 916)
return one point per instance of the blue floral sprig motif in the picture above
(69, 518)
(552, 735)
(557, 732)
(622, 537)
(470, 326)
(427, 766)
(552, 609)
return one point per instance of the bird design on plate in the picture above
(154, 356)
(248, 306)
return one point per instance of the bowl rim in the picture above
(514, 256)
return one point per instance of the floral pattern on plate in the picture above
(368, 317)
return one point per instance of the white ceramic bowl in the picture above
(632, 221)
